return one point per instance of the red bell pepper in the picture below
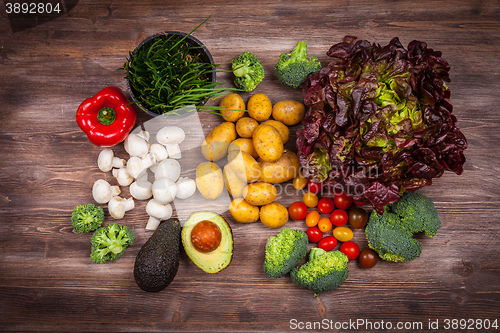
(107, 118)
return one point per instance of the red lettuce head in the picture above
(379, 121)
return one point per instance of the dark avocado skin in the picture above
(157, 262)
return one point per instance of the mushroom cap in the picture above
(101, 191)
(105, 160)
(136, 145)
(158, 210)
(158, 151)
(186, 187)
(164, 190)
(170, 135)
(168, 168)
(141, 189)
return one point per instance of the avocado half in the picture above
(208, 241)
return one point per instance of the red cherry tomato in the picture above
(328, 243)
(297, 211)
(314, 187)
(314, 234)
(339, 217)
(326, 205)
(350, 249)
(342, 200)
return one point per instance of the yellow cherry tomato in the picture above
(312, 218)
(325, 224)
(343, 234)
(310, 199)
(299, 182)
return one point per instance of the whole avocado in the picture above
(157, 262)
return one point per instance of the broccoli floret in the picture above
(391, 234)
(284, 251)
(293, 68)
(323, 272)
(418, 213)
(109, 243)
(248, 71)
(87, 218)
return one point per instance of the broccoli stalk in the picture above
(391, 234)
(284, 251)
(109, 243)
(87, 218)
(248, 71)
(323, 272)
(293, 68)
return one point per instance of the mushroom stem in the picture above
(174, 151)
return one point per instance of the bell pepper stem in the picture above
(106, 116)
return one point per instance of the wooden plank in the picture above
(49, 283)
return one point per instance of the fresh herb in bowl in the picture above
(170, 71)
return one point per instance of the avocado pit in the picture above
(208, 241)
(206, 236)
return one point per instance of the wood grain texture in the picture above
(48, 282)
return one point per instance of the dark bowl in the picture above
(203, 52)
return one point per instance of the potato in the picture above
(215, 145)
(235, 102)
(209, 180)
(245, 127)
(273, 215)
(243, 212)
(243, 144)
(260, 193)
(284, 169)
(267, 143)
(233, 183)
(259, 107)
(289, 112)
(244, 166)
(282, 129)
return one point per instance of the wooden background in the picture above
(47, 167)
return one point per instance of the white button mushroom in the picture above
(143, 176)
(144, 135)
(186, 187)
(157, 212)
(174, 151)
(122, 176)
(136, 166)
(141, 189)
(164, 190)
(170, 135)
(158, 151)
(106, 160)
(102, 191)
(118, 206)
(168, 168)
(135, 145)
